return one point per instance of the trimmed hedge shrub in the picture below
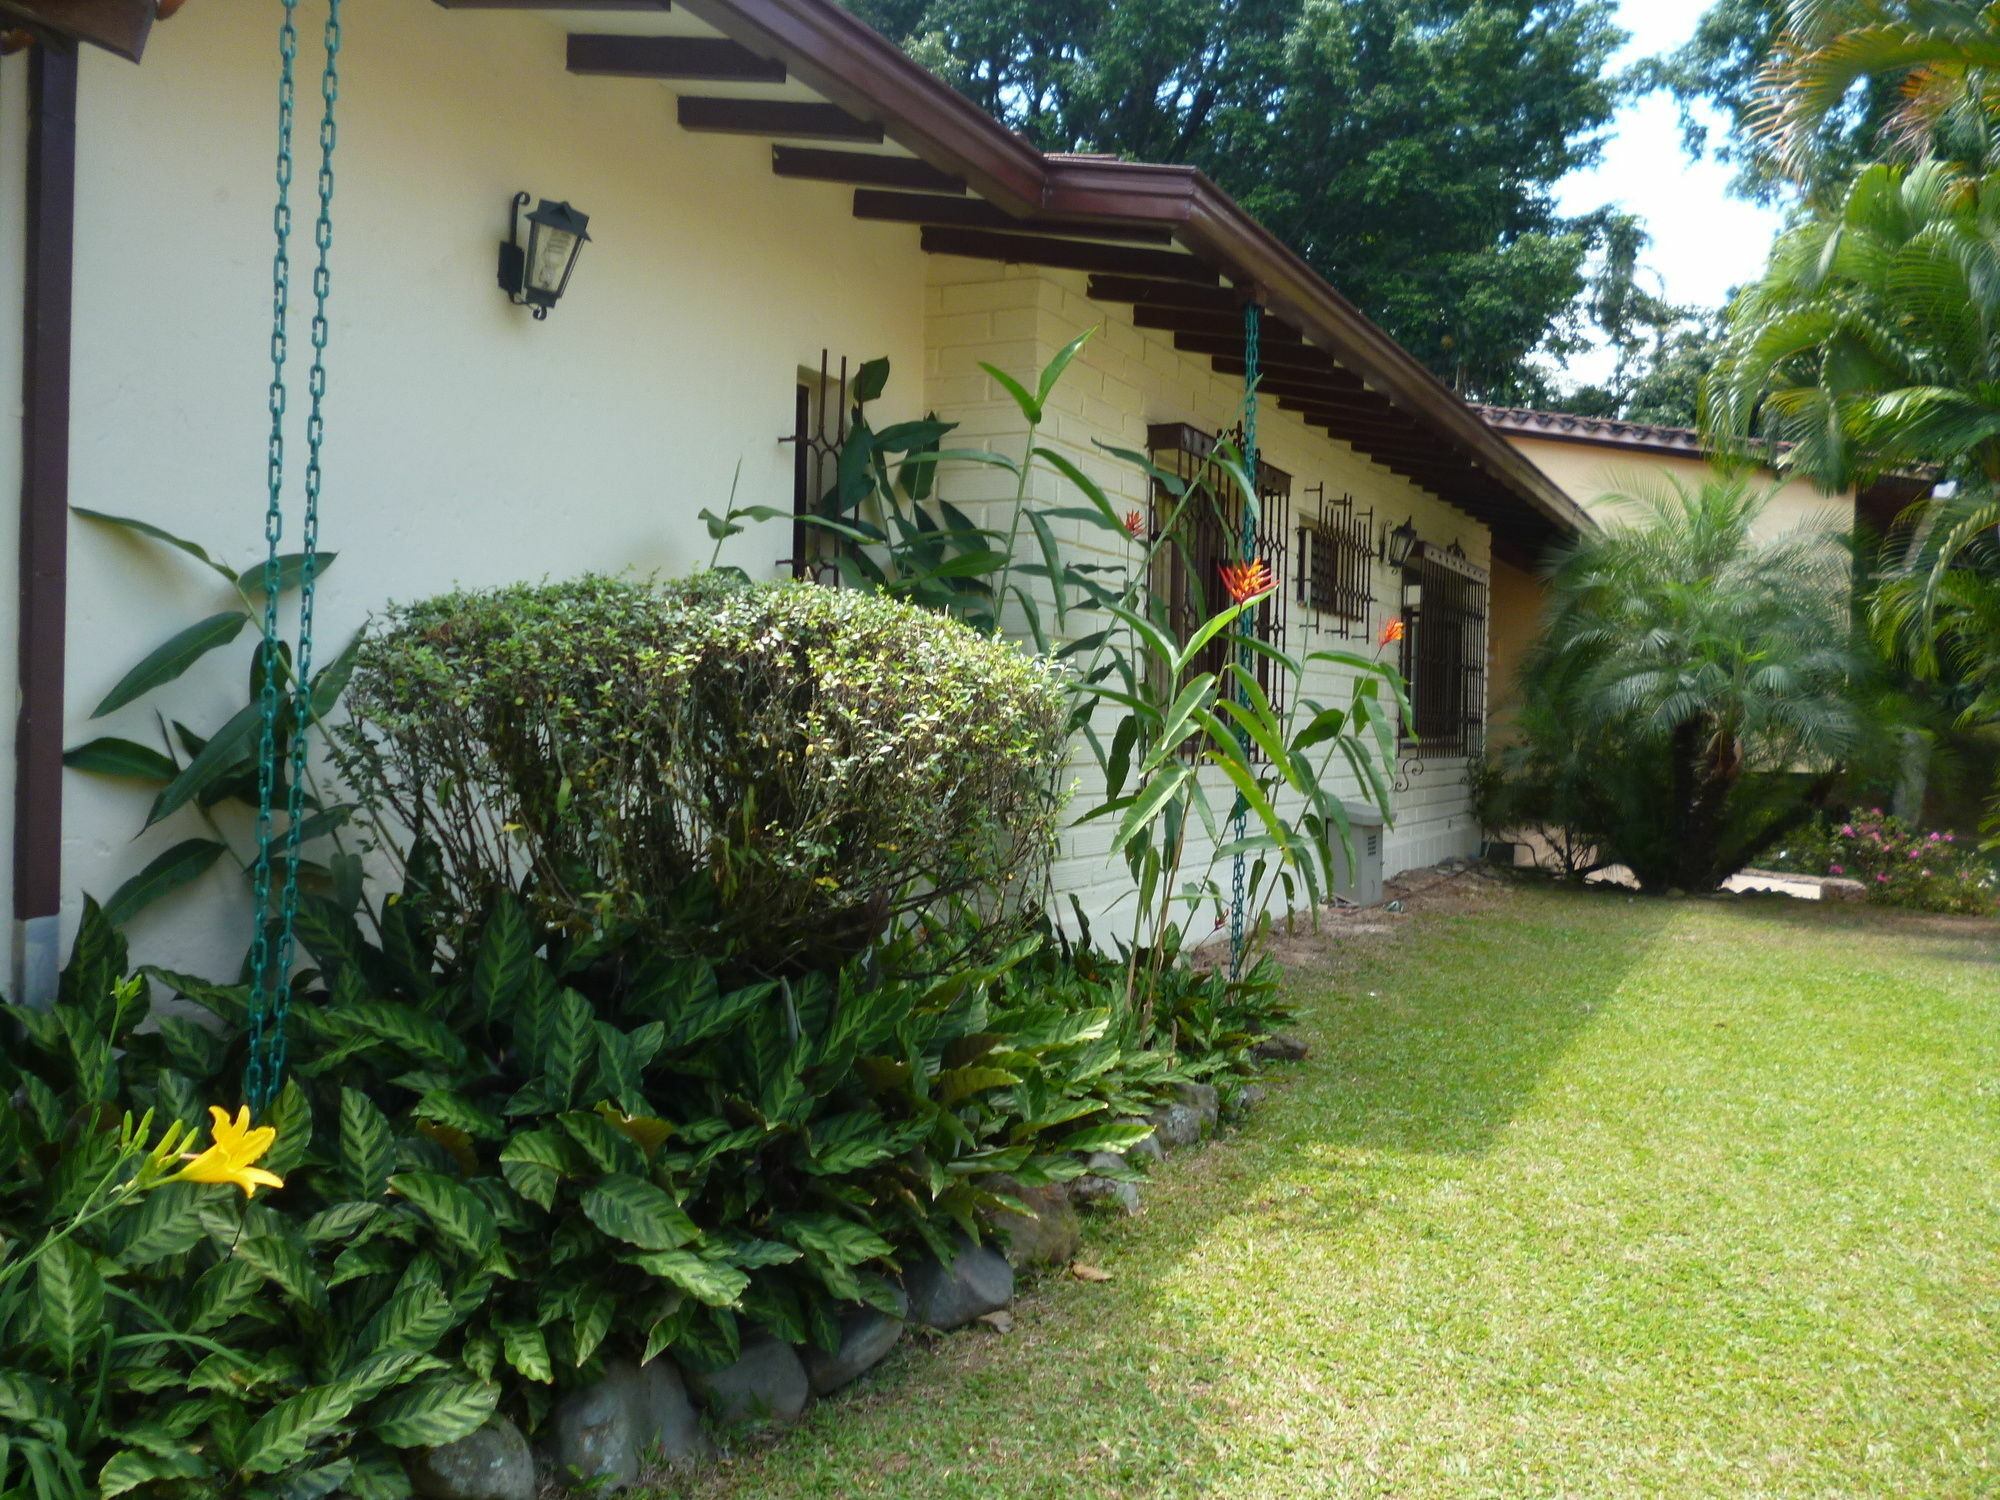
(764, 776)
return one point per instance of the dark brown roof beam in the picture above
(1071, 255)
(817, 164)
(1216, 324)
(709, 58)
(815, 122)
(977, 213)
(1164, 293)
(1226, 354)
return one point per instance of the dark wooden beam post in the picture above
(44, 554)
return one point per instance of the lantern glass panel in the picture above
(549, 263)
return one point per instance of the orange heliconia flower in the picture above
(1135, 524)
(1246, 580)
(1392, 631)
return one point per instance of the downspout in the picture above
(44, 548)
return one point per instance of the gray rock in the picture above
(1048, 1234)
(1203, 1099)
(1245, 1099)
(610, 1429)
(1280, 1047)
(1096, 1190)
(978, 1281)
(493, 1463)
(766, 1384)
(1175, 1125)
(867, 1334)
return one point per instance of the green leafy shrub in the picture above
(765, 775)
(1897, 865)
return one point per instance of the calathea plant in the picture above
(201, 774)
(162, 1334)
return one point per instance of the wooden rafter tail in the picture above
(817, 164)
(1072, 255)
(702, 58)
(976, 213)
(781, 117)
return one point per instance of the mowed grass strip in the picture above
(1578, 1195)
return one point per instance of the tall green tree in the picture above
(1407, 148)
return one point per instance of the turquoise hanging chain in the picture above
(1253, 321)
(271, 954)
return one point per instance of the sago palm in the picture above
(1711, 669)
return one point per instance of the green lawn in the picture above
(1578, 1195)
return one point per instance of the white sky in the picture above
(1704, 241)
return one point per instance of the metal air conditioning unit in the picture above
(1362, 883)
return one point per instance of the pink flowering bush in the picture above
(1900, 866)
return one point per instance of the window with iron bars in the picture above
(1444, 652)
(1336, 563)
(1206, 531)
(821, 413)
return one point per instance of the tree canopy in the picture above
(1408, 149)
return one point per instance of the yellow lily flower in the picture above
(229, 1159)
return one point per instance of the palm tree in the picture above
(1942, 55)
(1709, 675)
(1873, 341)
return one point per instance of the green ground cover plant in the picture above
(1578, 1194)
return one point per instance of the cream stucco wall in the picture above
(465, 442)
(1590, 473)
(1125, 379)
(13, 216)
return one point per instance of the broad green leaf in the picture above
(1103, 1138)
(1031, 409)
(1147, 803)
(841, 1241)
(230, 744)
(281, 1259)
(173, 657)
(166, 1222)
(330, 681)
(635, 1211)
(1053, 370)
(168, 871)
(291, 573)
(367, 1149)
(461, 1220)
(433, 1412)
(147, 528)
(70, 1300)
(527, 1351)
(1092, 490)
(506, 947)
(956, 1084)
(870, 381)
(1210, 628)
(284, 1435)
(708, 1281)
(1052, 558)
(129, 1468)
(126, 758)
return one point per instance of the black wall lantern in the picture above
(536, 274)
(1399, 544)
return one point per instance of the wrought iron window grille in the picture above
(1206, 531)
(1336, 563)
(1444, 651)
(821, 417)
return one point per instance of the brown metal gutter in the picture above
(44, 551)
